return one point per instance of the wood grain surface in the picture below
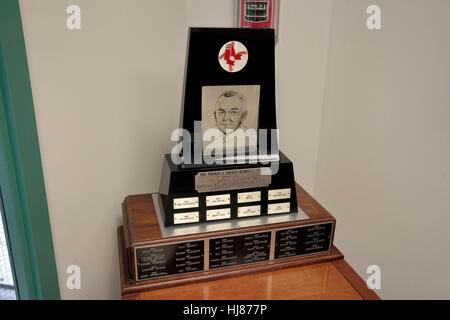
(317, 281)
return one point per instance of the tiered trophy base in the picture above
(152, 256)
(225, 192)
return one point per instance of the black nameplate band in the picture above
(237, 250)
(170, 259)
(213, 253)
(303, 240)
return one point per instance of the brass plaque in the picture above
(279, 194)
(211, 181)
(184, 203)
(244, 197)
(273, 208)
(218, 214)
(218, 200)
(186, 217)
(249, 211)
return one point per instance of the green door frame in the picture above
(21, 178)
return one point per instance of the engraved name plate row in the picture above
(190, 196)
(231, 205)
(161, 260)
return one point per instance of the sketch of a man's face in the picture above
(231, 111)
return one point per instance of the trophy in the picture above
(228, 165)
(228, 203)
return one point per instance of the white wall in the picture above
(364, 116)
(301, 56)
(210, 13)
(108, 96)
(384, 161)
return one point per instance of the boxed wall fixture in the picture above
(258, 14)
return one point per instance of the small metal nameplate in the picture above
(218, 214)
(237, 250)
(185, 203)
(169, 259)
(279, 194)
(244, 197)
(186, 217)
(274, 208)
(303, 240)
(218, 200)
(249, 211)
(211, 181)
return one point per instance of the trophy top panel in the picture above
(238, 63)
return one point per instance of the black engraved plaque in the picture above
(237, 250)
(169, 259)
(303, 240)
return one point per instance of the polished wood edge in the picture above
(134, 296)
(126, 230)
(309, 205)
(355, 280)
(123, 264)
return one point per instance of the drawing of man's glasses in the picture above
(232, 112)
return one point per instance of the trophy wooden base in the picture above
(129, 286)
(154, 257)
